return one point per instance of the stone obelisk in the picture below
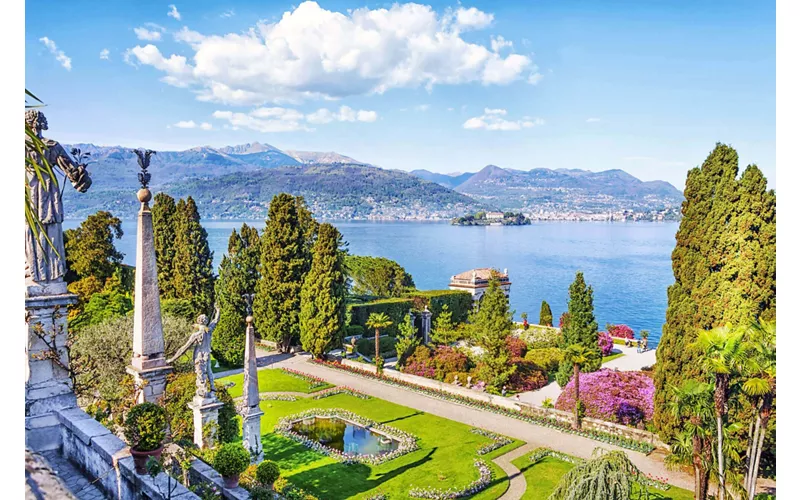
(148, 366)
(250, 410)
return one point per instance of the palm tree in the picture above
(722, 353)
(578, 355)
(692, 402)
(378, 321)
(759, 386)
(609, 475)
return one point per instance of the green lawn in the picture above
(543, 476)
(613, 355)
(445, 457)
(271, 380)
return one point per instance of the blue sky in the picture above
(645, 86)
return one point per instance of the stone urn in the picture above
(140, 458)
(231, 482)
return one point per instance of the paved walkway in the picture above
(532, 434)
(517, 484)
(78, 484)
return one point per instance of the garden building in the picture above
(476, 281)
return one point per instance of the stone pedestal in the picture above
(150, 383)
(251, 431)
(206, 418)
(48, 386)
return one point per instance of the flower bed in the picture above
(620, 331)
(407, 442)
(646, 479)
(313, 382)
(339, 390)
(480, 484)
(277, 397)
(622, 397)
(623, 442)
(498, 441)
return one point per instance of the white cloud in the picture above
(498, 43)
(314, 53)
(535, 77)
(104, 54)
(145, 34)
(227, 13)
(192, 124)
(173, 12)
(65, 61)
(493, 119)
(593, 120)
(422, 107)
(277, 119)
(206, 126)
(179, 73)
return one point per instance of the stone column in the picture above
(48, 386)
(205, 412)
(251, 412)
(148, 366)
(426, 324)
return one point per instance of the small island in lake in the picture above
(492, 219)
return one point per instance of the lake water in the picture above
(627, 263)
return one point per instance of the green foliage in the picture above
(540, 337)
(490, 324)
(178, 394)
(285, 259)
(443, 331)
(388, 346)
(181, 308)
(90, 247)
(548, 403)
(193, 271)
(238, 275)
(164, 220)
(580, 329)
(547, 358)
(227, 418)
(353, 330)
(145, 426)
(267, 472)
(458, 302)
(609, 475)
(377, 276)
(724, 266)
(395, 309)
(111, 302)
(407, 340)
(545, 314)
(231, 459)
(322, 297)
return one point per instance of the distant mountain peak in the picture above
(249, 148)
(322, 158)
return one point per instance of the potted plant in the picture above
(230, 461)
(267, 473)
(145, 428)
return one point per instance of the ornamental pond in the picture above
(345, 436)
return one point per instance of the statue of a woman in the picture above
(45, 260)
(201, 340)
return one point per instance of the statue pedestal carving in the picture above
(251, 431)
(150, 382)
(206, 418)
(48, 386)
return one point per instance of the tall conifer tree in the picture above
(545, 314)
(322, 299)
(237, 276)
(283, 265)
(492, 323)
(580, 329)
(724, 267)
(164, 212)
(193, 271)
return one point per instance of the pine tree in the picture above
(491, 324)
(90, 248)
(164, 211)
(444, 331)
(322, 298)
(283, 263)
(724, 268)
(580, 329)
(193, 271)
(545, 314)
(237, 276)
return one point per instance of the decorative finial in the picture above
(144, 162)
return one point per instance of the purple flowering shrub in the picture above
(605, 343)
(620, 331)
(612, 395)
(420, 363)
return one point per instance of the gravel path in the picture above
(517, 484)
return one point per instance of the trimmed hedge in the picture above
(396, 309)
(458, 302)
(367, 347)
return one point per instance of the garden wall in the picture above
(593, 424)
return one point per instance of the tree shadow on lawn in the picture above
(403, 417)
(289, 454)
(338, 480)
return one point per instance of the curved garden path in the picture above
(517, 484)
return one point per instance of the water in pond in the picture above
(345, 436)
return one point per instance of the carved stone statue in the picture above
(201, 340)
(44, 262)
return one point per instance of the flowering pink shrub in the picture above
(527, 377)
(612, 395)
(605, 343)
(447, 360)
(620, 331)
(420, 363)
(516, 347)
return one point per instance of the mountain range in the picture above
(239, 181)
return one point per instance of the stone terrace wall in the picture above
(593, 424)
(101, 454)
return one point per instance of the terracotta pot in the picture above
(231, 482)
(140, 458)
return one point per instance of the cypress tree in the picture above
(724, 267)
(322, 298)
(237, 275)
(164, 211)
(492, 323)
(580, 329)
(284, 260)
(193, 271)
(545, 314)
